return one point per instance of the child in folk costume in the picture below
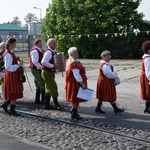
(106, 90)
(145, 76)
(75, 78)
(12, 86)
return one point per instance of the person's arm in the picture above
(8, 63)
(35, 59)
(147, 67)
(108, 72)
(78, 77)
(46, 58)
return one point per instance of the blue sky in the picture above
(12, 8)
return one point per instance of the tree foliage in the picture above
(89, 17)
(30, 18)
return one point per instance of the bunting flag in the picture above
(136, 32)
(126, 34)
(106, 35)
(147, 32)
(97, 35)
(115, 34)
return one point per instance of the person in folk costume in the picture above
(75, 78)
(106, 90)
(36, 56)
(2, 68)
(12, 86)
(48, 75)
(145, 76)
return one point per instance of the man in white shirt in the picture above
(36, 56)
(48, 74)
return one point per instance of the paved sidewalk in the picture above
(10, 143)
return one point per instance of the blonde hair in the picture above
(2, 44)
(71, 50)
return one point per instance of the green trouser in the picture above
(38, 80)
(50, 83)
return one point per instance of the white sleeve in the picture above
(46, 58)
(108, 72)
(147, 67)
(77, 75)
(8, 63)
(35, 59)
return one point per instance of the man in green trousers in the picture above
(36, 56)
(48, 74)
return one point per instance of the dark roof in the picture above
(11, 27)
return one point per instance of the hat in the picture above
(105, 53)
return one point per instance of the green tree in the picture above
(68, 19)
(16, 21)
(29, 18)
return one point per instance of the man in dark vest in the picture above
(48, 74)
(36, 56)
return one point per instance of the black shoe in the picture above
(75, 115)
(37, 102)
(12, 111)
(147, 109)
(98, 108)
(99, 111)
(116, 109)
(48, 107)
(57, 106)
(5, 105)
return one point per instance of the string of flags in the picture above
(136, 32)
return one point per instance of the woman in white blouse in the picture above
(145, 76)
(106, 90)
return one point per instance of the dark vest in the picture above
(50, 61)
(40, 57)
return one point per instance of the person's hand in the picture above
(56, 66)
(83, 85)
(20, 64)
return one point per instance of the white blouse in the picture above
(8, 59)
(106, 68)
(35, 58)
(147, 65)
(46, 58)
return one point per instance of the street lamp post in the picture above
(40, 12)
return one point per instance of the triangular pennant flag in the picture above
(136, 33)
(126, 34)
(115, 34)
(106, 35)
(97, 35)
(88, 35)
(147, 32)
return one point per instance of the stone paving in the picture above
(57, 135)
